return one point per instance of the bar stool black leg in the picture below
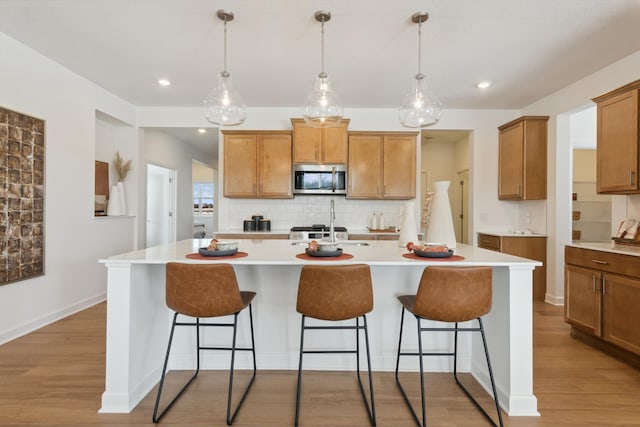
(299, 372)
(372, 411)
(422, 398)
(232, 417)
(493, 385)
(157, 417)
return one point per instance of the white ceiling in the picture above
(527, 49)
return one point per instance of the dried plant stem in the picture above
(122, 168)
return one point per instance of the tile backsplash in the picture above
(308, 210)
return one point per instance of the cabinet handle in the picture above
(604, 282)
(519, 190)
(631, 176)
(597, 261)
(594, 283)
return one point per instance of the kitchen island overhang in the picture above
(138, 319)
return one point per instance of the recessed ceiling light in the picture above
(483, 85)
(164, 82)
(202, 130)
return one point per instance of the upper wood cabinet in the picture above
(382, 165)
(617, 141)
(522, 159)
(319, 145)
(257, 164)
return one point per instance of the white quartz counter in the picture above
(606, 247)
(511, 233)
(138, 319)
(283, 252)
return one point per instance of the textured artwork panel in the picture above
(22, 151)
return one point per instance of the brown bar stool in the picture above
(449, 294)
(336, 293)
(203, 291)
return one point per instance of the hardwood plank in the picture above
(55, 377)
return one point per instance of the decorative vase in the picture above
(440, 228)
(113, 206)
(123, 198)
(408, 229)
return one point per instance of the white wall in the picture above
(560, 106)
(74, 238)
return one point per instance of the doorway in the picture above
(445, 156)
(160, 221)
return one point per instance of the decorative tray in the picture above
(325, 254)
(207, 252)
(432, 254)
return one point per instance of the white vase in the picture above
(408, 228)
(123, 198)
(440, 228)
(113, 206)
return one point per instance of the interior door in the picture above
(160, 195)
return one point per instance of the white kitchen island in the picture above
(138, 320)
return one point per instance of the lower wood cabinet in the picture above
(602, 296)
(531, 247)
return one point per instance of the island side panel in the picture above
(138, 324)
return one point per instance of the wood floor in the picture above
(55, 377)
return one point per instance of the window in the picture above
(203, 198)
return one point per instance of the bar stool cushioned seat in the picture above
(205, 291)
(449, 294)
(335, 293)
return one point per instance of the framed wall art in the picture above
(21, 196)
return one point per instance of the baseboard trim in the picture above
(26, 328)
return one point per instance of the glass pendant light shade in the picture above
(420, 107)
(224, 105)
(323, 107)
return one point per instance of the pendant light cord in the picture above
(224, 71)
(419, 49)
(322, 47)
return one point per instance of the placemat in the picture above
(421, 258)
(341, 257)
(196, 255)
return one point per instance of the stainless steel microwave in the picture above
(319, 179)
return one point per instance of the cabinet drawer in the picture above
(487, 241)
(627, 265)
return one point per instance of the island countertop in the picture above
(283, 252)
(138, 319)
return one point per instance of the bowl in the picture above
(328, 246)
(227, 245)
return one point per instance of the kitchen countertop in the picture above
(511, 233)
(606, 247)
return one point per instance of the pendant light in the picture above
(224, 105)
(420, 107)
(323, 107)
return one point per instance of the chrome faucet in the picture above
(332, 218)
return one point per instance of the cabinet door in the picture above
(275, 166)
(334, 144)
(532, 248)
(365, 163)
(306, 147)
(620, 314)
(617, 144)
(240, 165)
(399, 167)
(511, 162)
(582, 298)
